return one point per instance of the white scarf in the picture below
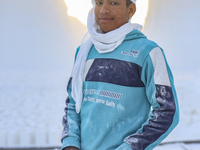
(104, 43)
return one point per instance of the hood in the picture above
(135, 34)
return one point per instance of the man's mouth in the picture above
(104, 19)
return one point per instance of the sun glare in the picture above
(141, 12)
(80, 9)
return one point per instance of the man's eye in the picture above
(114, 3)
(98, 3)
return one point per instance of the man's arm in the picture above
(160, 91)
(71, 123)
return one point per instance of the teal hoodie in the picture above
(129, 99)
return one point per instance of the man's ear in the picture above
(131, 10)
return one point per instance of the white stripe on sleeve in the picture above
(161, 76)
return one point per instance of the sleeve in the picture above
(71, 122)
(161, 94)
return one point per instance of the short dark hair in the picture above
(128, 2)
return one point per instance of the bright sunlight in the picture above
(80, 9)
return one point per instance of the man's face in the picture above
(111, 14)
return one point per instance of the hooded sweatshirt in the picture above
(129, 99)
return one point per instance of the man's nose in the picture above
(105, 9)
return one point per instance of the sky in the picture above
(80, 8)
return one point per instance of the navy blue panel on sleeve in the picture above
(65, 123)
(69, 82)
(159, 124)
(116, 72)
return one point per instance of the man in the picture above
(121, 94)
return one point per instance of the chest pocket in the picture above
(116, 72)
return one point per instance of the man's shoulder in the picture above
(144, 45)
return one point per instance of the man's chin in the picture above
(106, 29)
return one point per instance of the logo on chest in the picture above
(133, 53)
